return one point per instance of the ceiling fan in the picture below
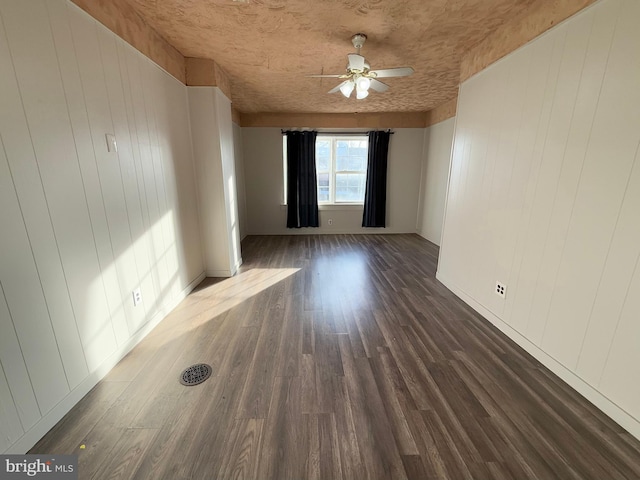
(360, 77)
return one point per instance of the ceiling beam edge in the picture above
(442, 112)
(334, 120)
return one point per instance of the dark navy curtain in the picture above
(375, 196)
(302, 191)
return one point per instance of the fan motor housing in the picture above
(358, 40)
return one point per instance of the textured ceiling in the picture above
(268, 46)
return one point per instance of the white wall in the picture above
(240, 182)
(544, 195)
(262, 149)
(435, 174)
(212, 134)
(81, 227)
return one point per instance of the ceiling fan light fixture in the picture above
(360, 77)
(347, 88)
(363, 84)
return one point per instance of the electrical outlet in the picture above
(137, 297)
(501, 290)
(330, 221)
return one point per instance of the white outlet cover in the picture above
(137, 297)
(501, 289)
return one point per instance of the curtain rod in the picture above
(335, 133)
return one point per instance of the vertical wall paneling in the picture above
(239, 167)
(35, 212)
(524, 172)
(129, 153)
(556, 165)
(537, 202)
(608, 302)
(157, 112)
(27, 309)
(76, 39)
(154, 186)
(172, 115)
(435, 171)
(18, 271)
(404, 164)
(113, 167)
(554, 213)
(496, 183)
(225, 126)
(11, 356)
(145, 182)
(10, 427)
(82, 226)
(623, 362)
(605, 174)
(153, 238)
(207, 153)
(473, 163)
(47, 113)
(587, 98)
(615, 294)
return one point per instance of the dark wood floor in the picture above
(337, 357)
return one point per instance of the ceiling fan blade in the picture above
(356, 62)
(392, 72)
(337, 89)
(378, 86)
(337, 75)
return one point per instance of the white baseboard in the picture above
(219, 273)
(46, 423)
(225, 273)
(607, 406)
(321, 231)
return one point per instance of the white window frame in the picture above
(332, 167)
(332, 172)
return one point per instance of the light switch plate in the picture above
(112, 146)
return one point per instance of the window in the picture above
(341, 168)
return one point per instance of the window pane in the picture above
(323, 147)
(323, 155)
(351, 163)
(342, 163)
(350, 187)
(357, 147)
(342, 147)
(322, 164)
(323, 194)
(323, 180)
(336, 155)
(353, 156)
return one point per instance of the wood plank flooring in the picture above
(337, 357)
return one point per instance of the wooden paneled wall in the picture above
(544, 196)
(514, 33)
(119, 17)
(82, 224)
